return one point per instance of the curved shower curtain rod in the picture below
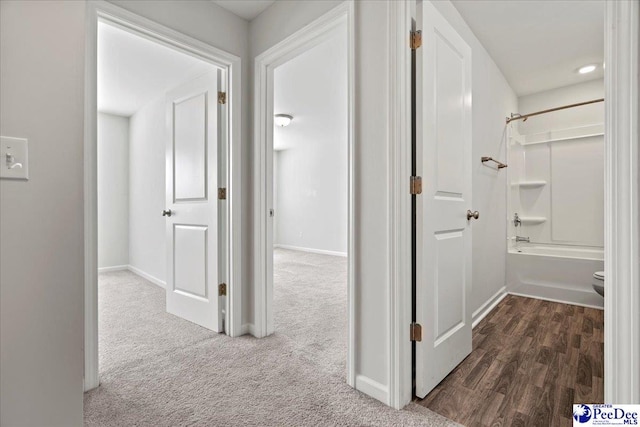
(524, 117)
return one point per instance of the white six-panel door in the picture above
(444, 235)
(191, 189)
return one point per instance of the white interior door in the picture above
(192, 204)
(443, 232)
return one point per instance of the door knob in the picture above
(474, 215)
(166, 212)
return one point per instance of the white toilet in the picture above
(598, 282)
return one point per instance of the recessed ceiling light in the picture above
(587, 69)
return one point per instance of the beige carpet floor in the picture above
(159, 370)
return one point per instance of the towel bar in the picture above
(491, 159)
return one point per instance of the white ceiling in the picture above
(247, 9)
(132, 70)
(539, 44)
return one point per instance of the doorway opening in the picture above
(529, 343)
(162, 152)
(310, 199)
(304, 183)
(159, 141)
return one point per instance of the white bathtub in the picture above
(555, 273)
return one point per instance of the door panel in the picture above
(443, 235)
(190, 148)
(191, 186)
(449, 81)
(449, 283)
(190, 260)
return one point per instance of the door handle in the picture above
(474, 215)
(167, 212)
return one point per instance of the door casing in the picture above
(622, 203)
(101, 11)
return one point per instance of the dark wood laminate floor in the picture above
(531, 361)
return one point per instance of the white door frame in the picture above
(622, 194)
(265, 64)
(101, 11)
(400, 23)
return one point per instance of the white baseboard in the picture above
(147, 276)
(563, 296)
(248, 329)
(486, 308)
(372, 388)
(310, 250)
(113, 268)
(552, 294)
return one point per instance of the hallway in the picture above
(157, 369)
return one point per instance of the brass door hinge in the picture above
(222, 289)
(415, 40)
(222, 97)
(415, 185)
(415, 332)
(222, 194)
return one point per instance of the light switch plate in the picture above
(14, 158)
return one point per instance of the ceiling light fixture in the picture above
(587, 69)
(282, 120)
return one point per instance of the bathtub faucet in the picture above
(522, 239)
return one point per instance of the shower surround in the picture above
(556, 188)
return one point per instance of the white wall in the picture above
(572, 201)
(147, 197)
(283, 19)
(311, 172)
(493, 100)
(113, 190)
(372, 198)
(42, 51)
(564, 119)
